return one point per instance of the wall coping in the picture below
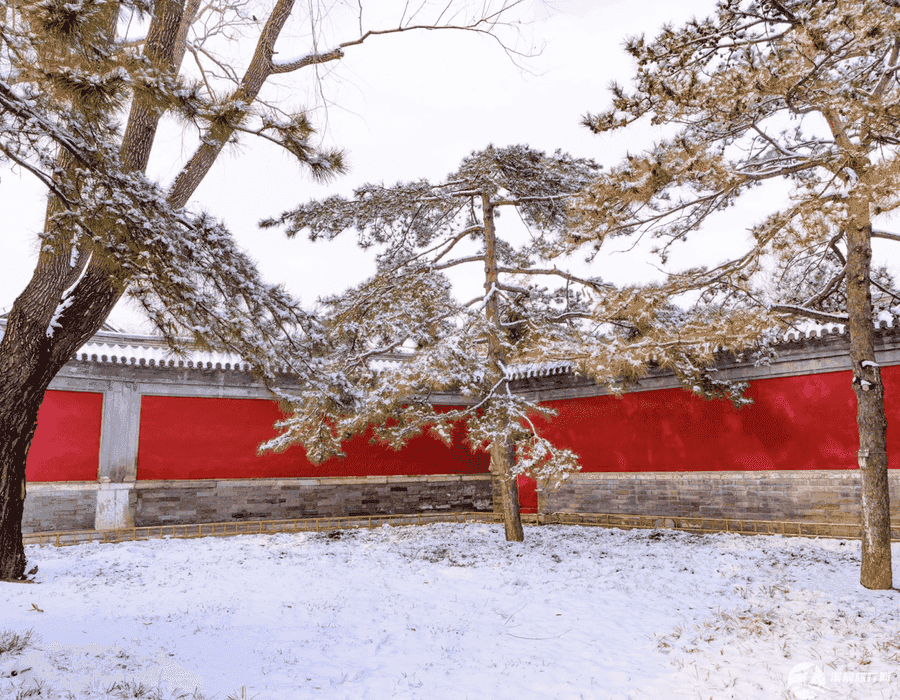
(151, 350)
(813, 354)
(837, 474)
(111, 357)
(308, 481)
(35, 486)
(848, 473)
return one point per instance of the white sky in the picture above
(404, 107)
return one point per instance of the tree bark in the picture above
(161, 49)
(502, 461)
(871, 420)
(502, 451)
(22, 396)
(29, 359)
(31, 353)
(18, 420)
(870, 415)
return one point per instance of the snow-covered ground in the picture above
(453, 611)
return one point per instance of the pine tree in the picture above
(799, 92)
(422, 230)
(81, 100)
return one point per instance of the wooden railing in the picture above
(788, 528)
(841, 530)
(252, 527)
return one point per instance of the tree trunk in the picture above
(503, 455)
(30, 353)
(870, 415)
(29, 359)
(26, 368)
(18, 420)
(502, 460)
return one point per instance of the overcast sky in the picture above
(404, 107)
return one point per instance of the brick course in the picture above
(813, 496)
(823, 496)
(165, 503)
(59, 508)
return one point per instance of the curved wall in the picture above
(792, 454)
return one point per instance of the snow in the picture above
(453, 611)
(54, 321)
(537, 369)
(130, 353)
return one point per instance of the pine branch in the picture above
(830, 288)
(823, 316)
(593, 284)
(885, 234)
(519, 201)
(451, 243)
(885, 290)
(308, 60)
(457, 261)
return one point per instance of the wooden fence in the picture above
(840, 530)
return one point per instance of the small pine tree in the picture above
(423, 230)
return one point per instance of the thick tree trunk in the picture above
(29, 359)
(18, 420)
(870, 415)
(31, 353)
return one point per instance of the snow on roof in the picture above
(110, 347)
(153, 356)
(810, 329)
(537, 369)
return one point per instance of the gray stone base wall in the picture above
(814, 496)
(819, 496)
(208, 501)
(60, 506)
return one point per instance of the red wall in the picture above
(194, 438)
(66, 445)
(805, 422)
(528, 499)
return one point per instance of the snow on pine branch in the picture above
(473, 350)
(183, 268)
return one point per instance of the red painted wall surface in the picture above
(804, 422)
(66, 444)
(528, 500)
(198, 438)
